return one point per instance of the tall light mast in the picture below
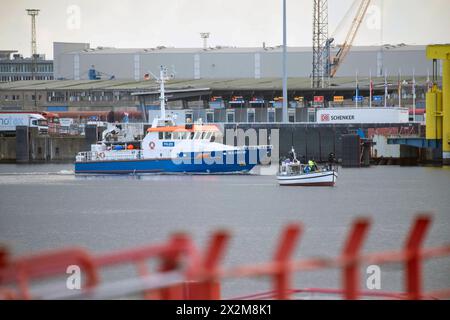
(33, 13)
(320, 37)
(285, 95)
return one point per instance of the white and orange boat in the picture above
(171, 148)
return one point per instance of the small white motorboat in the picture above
(294, 173)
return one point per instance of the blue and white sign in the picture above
(168, 144)
(377, 98)
(358, 98)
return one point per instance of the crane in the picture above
(334, 64)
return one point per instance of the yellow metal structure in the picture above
(434, 113)
(438, 102)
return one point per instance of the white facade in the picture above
(362, 115)
(72, 61)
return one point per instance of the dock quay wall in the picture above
(28, 146)
(317, 141)
(311, 141)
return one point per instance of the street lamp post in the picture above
(285, 96)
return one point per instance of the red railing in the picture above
(185, 272)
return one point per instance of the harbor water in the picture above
(48, 207)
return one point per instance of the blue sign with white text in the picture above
(378, 98)
(358, 98)
(168, 144)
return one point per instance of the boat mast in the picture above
(162, 98)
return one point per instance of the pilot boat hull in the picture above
(323, 178)
(192, 163)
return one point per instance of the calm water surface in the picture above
(47, 207)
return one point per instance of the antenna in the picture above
(164, 76)
(205, 36)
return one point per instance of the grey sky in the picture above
(149, 23)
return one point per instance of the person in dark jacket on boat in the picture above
(331, 160)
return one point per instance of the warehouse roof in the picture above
(228, 49)
(214, 84)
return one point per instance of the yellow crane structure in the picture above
(438, 100)
(345, 47)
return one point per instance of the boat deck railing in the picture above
(87, 156)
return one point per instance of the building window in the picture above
(230, 116)
(291, 115)
(250, 115)
(271, 115)
(311, 115)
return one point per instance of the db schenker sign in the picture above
(362, 115)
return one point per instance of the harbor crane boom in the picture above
(345, 47)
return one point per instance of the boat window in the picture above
(197, 135)
(209, 117)
(175, 136)
(192, 135)
(167, 135)
(208, 135)
(161, 135)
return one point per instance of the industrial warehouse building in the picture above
(223, 84)
(74, 60)
(227, 100)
